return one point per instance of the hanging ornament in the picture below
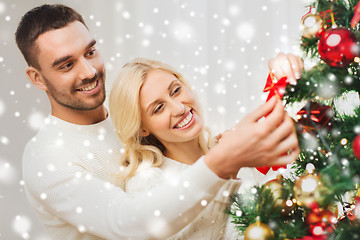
(311, 25)
(320, 221)
(275, 186)
(258, 231)
(338, 47)
(319, 115)
(356, 146)
(309, 191)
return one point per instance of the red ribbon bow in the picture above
(355, 19)
(275, 88)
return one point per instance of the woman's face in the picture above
(169, 110)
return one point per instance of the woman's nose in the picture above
(178, 108)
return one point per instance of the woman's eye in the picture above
(176, 91)
(91, 52)
(158, 108)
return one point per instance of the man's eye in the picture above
(158, 108)
(66, 66)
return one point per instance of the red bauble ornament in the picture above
(356, 147)
(320, 222)
(338, 47)
(320, 115)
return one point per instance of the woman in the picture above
(159, 120)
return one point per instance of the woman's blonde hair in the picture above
(125, 113)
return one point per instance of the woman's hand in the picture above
(254, 143)
(286, 65)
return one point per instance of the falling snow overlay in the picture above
(222, 47)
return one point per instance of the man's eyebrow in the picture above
(63, 59)
(60, 60)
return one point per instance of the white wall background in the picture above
(221, 46)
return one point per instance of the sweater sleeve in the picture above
(69, 192)
(145, 178)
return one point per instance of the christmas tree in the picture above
(320, 199)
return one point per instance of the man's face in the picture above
(71, 68)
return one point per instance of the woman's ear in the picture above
(144, 132)
(36, 78)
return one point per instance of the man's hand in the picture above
(255, 142)
(286, 65)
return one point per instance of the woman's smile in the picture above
(187, 121)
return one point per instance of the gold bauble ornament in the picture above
(258, 231)
(275, 186)
(312, 25)
(308, 190)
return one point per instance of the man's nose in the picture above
(86, 70)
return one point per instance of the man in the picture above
(71, 166)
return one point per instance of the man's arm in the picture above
(71, 193)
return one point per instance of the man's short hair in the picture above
(38, 21)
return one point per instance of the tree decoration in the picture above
(313, 115)
(275, 87)
(320, 221)
(338, 47)
(259, 231)
(356, 147)
(323, 204)
(309, 190)
(275, 186)
(311, 25)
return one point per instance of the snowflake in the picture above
(36, 120)
(7, 172)
(21, 225)
(245, 31)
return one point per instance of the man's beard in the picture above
(70, 100)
